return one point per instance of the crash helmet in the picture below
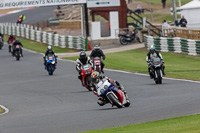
(96, 47)
(82, 55)
(49, 48)
(17, 41)
(11, 36)
(152, 49)
(95, 77)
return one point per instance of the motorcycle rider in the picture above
(49, 52)
(97, 52)
(11, 39)
(17, 42)
(154, 54)
(96, 78)
(82, 60)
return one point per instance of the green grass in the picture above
(40, 47)
(177, 65)
(184, 124)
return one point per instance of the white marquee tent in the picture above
(191, 11)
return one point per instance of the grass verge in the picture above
(184, 124)
(177, 65)
(40, 47)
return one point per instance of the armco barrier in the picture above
(35, 34)
(176, 44)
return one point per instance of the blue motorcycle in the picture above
(51, 64)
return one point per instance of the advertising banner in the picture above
(5, 4)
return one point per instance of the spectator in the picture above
(165, 25)
(164, 3)
(139, 9)
(183, 22)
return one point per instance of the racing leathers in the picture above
(98, 53)
(80, 62)
(16, 42)
(101, 101)
(152, 55)
(49, 52)
(10, 42)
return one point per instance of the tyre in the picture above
(114, 101)
(159, 76)
(123, 41)
(17, 55)
(97, 69)
(127, 104)
(50, 70)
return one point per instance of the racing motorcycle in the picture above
(129, 37)
(17, 52)
(97, 64)
(86, 71)
(19, 20)
(1, 42)
(156, 70)
(112, 94)
(51, 64)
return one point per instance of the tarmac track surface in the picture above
(34, 15)
(39, 103)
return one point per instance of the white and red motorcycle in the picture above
(112, 94)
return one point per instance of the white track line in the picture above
(6, 110)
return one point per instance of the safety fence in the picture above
(176, 44)
(36, 34)
(188, 33)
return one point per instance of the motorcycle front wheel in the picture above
(123, 41)
(114, 100)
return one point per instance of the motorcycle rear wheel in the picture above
(123, 41)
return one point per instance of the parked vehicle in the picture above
(127, 37)
(155, 70)
(86, 78)
(112, 94)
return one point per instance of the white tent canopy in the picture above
(191, 5)
(191, 13)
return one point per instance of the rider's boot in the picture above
(101, 101)
(45, 66)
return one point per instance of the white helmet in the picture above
(97, 47)
(49, 47)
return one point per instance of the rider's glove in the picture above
(104, 58)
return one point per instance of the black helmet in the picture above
(82, 55)
(17, 41)
(11, 35)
